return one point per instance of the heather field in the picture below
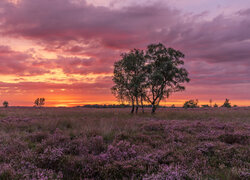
(81, 143)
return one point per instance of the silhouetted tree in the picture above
(215, 105)
(39, 102)
(164, 74)
(36, 102)
(5, 104)
(150, 76)
(226, 104)
(129, 78)
(191, 104)
(210, 101)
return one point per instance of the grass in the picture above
(80, 143)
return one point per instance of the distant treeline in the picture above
(188, 104)
(114, 106)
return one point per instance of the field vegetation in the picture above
(82, 143)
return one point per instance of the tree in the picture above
(150, 76)
(226, 104)
(173, 106)
(215, 105)
(5, 104)
(210, 101)
(164, 74)
(129, 78)
(191, 104)
(39, 102)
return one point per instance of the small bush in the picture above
(215, 105)
(226, 104)
(234, 138)
(191, 104)
(5, 104)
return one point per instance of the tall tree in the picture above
(164, 74)
(129, 78)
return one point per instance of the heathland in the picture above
(85, 143)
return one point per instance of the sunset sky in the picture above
(64, 50)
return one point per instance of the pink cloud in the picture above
(88, 39)
(18, 63)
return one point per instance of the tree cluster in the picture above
(191, 104)
(105, 106)
(39, 102)
(194, 104)
(148, 76)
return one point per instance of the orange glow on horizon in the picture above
(56, 54)
(179, 103)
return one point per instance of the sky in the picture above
(64, 50)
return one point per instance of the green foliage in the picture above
(129, 77)
(39, 102)
(6, 175)
(151, 76)
(226, 104)
(5, 104)
(191, 104)
(164, 74)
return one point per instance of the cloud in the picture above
(61, 21)
(87, 39)
(18, 63)
(61, 24)
(74, 65)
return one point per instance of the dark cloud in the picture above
(60, 21)
(58, 24)
(88, 39)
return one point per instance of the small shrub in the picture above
(96, 145)
(173, 106)
(37, 137)
(226, 104)
(6, 172)
(51, 158)
(234, 138)
(168, 172)
(5, 104)
(215, 105)
(191, 104)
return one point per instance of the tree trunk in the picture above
(153, 108)
(142, 105)
(133, 107)
(137, 105)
